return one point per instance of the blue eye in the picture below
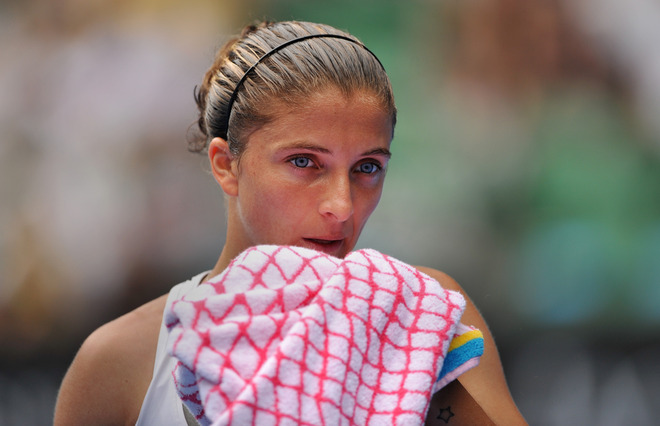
(301, 162)
(368, 168)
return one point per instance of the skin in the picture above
(310, 177)
(479, 396)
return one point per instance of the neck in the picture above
(223, 261)
(235, 242)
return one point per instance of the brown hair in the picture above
(289, 76)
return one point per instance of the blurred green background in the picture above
(525, 164)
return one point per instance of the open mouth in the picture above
(326, 246)
(324, 242)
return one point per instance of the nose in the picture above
(337, 199)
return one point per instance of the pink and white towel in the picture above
(288, 335)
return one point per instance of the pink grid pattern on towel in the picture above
(287, 335)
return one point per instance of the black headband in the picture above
(234, 94)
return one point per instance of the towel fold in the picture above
(287, 335)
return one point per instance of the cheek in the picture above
(266, 200)
(368, 203)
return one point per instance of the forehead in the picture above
(326, 102)
(327, 117)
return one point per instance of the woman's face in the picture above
(313, 175)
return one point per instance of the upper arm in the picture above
(111, 372)
(454, 405)
(91, 392)
(485, 383)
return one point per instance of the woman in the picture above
(297, 120)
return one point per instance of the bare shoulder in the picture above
(111, 372)
(471, 315)
(485, 383)
(445, 280)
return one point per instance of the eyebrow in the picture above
(378, 151)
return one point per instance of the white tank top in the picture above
(162, 405)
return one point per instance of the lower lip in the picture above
(331, 248)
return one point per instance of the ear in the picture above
(223, 166)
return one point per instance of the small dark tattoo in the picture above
(445, 414)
